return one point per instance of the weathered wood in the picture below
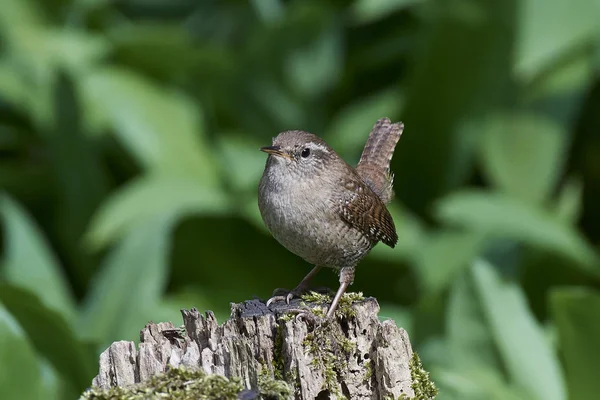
(355, 356)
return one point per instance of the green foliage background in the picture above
(129, 136)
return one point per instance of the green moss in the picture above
(330, 350)
(421, 382)
(287, 317)
(176, 383)
(183, 384)
(273, 389)
(369, 368)
(316, 298)
(327, 344)
(344, 309)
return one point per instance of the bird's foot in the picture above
(287, 296)
(308, 315)
(280, 294)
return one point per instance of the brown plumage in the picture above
(374, 164)
(365, 211)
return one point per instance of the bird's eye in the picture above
(305, 153)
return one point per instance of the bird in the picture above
(322, 209)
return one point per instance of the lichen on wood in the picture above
(274, 354)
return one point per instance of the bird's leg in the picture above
(298, 290)
(346, 279)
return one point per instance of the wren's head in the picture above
(299, 154)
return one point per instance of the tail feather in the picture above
(374, 164)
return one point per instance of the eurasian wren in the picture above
(323, 210)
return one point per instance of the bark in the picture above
(354, 355)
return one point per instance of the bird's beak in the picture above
(276, 151)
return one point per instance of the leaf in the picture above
(242, 164)
(130, 282)
(350, 127)
(276, 101)
(51, 335)
(575, 312)
(444, 255)
(544, 37)
(169, 308)
(148, 197)
(529, 359)
(241, 161)
(12, 85)
(160, 128)
(478, 383)
(569, 202)
(29, 17)
(470, 338)
(506, 217)
(400, 315)
(560, 92)
(317, 67)
(461, 71)
(369, 11)
(20, 376)
(523, 155)
(29, 262)
(268, 10)
(54, 386)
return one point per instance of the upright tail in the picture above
(374, 164)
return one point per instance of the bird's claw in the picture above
(309, 317)
(277, 298)
(289, 295)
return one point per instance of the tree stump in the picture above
(354, 356)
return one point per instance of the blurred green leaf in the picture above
(349, 129)
(548, 29)
(161, 49)
(149, 197)
(130, 283)
(161, 128)
(29, 262)
(477, 383)
(283, 108)
(568, 205)
(315, 68)
(241, 161)
(20, 375)
(37, 50)
(576, 314)
(470, 338)
(529, 359)
(442, 257)
(560, 92)
(12, 86)
(196, 296)
(368, 11)
(51, 335)
(74, 50)
(54, 386)
(462, 70)
(402, 316)
(523, 154)
(506, 217)
(82, 189)
(268, 10)
(24, 11)
(242, 164)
